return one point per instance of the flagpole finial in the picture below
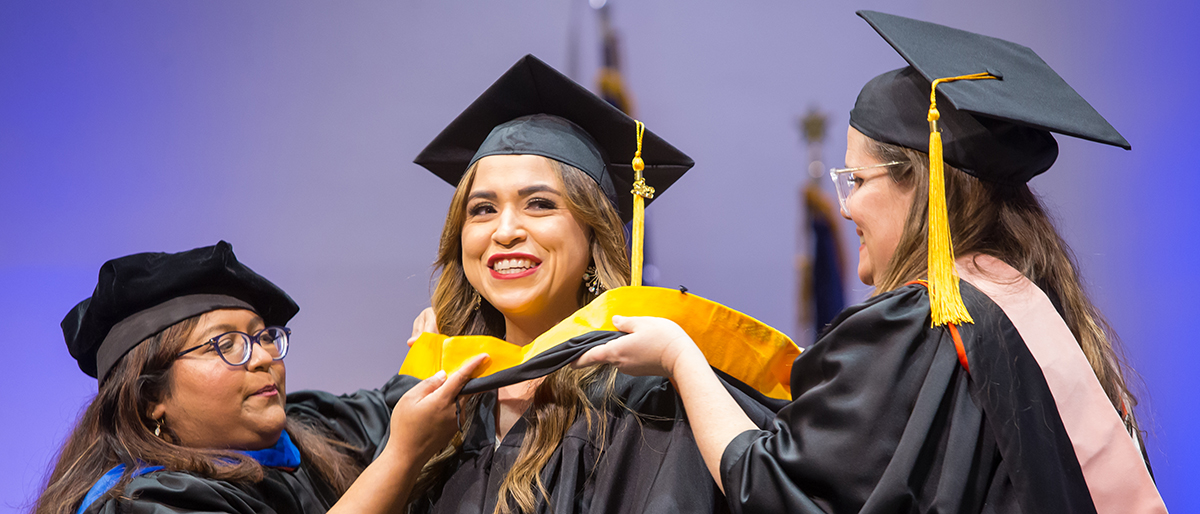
(812, 126)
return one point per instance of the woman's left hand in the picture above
(653, 347)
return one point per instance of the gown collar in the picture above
(284, 454)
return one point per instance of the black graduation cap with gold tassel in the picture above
(1003, 103)
(534, 109)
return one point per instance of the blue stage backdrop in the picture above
(288, 129)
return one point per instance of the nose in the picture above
(844, 207)
(510, 229)
(260, 358)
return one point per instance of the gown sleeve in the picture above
(361, 419)
(884, 418)
(854, 393)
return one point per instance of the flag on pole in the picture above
(612, 89)
(821, 262)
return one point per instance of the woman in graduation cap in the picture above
(999, 392)
(534, 233)
(191, 413)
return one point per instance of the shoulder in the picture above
(391, 391)
(901, 311)
(656, 397)
(647, 395)
(889, 337)
(176, 491)
(907, 302)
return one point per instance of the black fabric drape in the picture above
(360, 419)
(885, 419)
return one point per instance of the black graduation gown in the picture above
(886, 419)
(650, 461)
(361, 419)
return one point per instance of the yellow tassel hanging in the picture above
(641, 192)
(945, 299)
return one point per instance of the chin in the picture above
(272, 423)
(865, 275)
(516, 302)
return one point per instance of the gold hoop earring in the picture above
(591, 279)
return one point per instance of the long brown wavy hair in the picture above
(116, 429)
(564, 394)
(1008, 222)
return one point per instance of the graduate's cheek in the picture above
(266, 415)
(205, 398)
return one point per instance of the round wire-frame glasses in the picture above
(236, 347)
(843, 181)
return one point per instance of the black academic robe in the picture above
(886, 419)
(361, 419)
(649, 463)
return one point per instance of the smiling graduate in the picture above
(533, 267)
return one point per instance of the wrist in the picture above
(688, 357)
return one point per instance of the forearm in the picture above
(714, 416)
(383, 487)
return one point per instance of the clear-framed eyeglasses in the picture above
(846, 183)
(235, 347)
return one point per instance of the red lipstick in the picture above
(510, 273)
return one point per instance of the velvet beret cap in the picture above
(142, 294)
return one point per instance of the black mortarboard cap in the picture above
(534, 110)
(140, 295)
(998, 130)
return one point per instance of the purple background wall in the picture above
(288, 129)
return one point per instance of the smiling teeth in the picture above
(510, 266)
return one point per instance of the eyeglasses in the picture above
(843, 181)
(235, 347)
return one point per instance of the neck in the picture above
(523, 331)
(521, 328)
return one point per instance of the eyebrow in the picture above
(217, 330)
(487, 195)
(523, 192)
(538, 188)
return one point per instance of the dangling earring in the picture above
(475, 299)
(158, 423)
(592, 280)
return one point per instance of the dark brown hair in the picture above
(563, 396)
(1008, 222)
(116, 429)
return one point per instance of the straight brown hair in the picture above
(1008, 222)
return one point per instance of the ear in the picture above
(158, 410)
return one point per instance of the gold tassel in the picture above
(945, 299)
(641, 192)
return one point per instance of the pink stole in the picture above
(1112, 464)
